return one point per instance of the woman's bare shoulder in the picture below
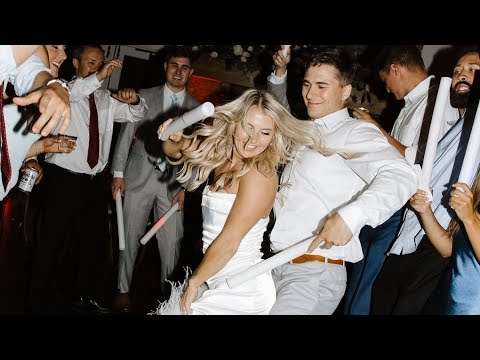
(256, 178)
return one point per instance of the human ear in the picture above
(346, 92)
(394, 69)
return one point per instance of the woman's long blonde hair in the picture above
(212, 142)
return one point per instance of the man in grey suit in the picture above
(146, 180)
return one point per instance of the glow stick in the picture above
(470, 164)
(121, 228)
(285, 50)
(197, 114)
(159, 224)
(434, 134)
(278, 259)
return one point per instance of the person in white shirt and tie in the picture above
(402, 69)
(72, 250)
(26, 68)
(146, 180)
(331, 198)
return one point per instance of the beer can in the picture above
(28, 179)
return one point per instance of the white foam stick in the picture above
(470, 164)
(121, 227)
(266, 265)
(191, 117)
(285, 50)
(423, 183)
(159, 224)
(434, 134)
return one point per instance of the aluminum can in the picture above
(28, 179)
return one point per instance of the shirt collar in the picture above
(418, 91)
(180, 94)
(331, 120)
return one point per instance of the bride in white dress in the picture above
(241, 145)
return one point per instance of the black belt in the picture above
(91, 176)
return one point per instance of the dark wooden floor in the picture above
(18, 234)
(17, 237)
(145, 283)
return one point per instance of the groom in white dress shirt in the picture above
(331, 197)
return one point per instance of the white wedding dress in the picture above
(253, 297)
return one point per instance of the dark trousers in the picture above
(405, 282)
(70, 254)
(375, 243)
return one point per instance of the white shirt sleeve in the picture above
(7, 62)
(411, 154)
(22, 77)
(391, 180)
(118, 174)
(124, 112)
(275, 79)
(81, 87)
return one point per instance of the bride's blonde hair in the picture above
(212, 142)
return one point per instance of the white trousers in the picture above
(310, 288)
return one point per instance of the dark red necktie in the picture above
(92, 157)
(5, 161)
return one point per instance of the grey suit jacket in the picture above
(138, 164)
(280, 90)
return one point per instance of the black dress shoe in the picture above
(121, 303)
(85, 305)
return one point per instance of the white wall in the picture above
(429, 51)
(119, 51)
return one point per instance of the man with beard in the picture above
(402, 69)
(413, 266)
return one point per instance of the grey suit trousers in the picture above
(137, 206)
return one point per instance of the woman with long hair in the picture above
(237, 152)
(460, 294)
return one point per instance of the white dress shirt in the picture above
(365, 190)
(411, 232)
(19, 139)
(276, 79)
(109, 111)
(411, 120)
(167, 96)
(7, 62)
(23, 76)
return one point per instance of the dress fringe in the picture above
(172, 305)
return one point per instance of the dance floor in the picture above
(18, 237)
